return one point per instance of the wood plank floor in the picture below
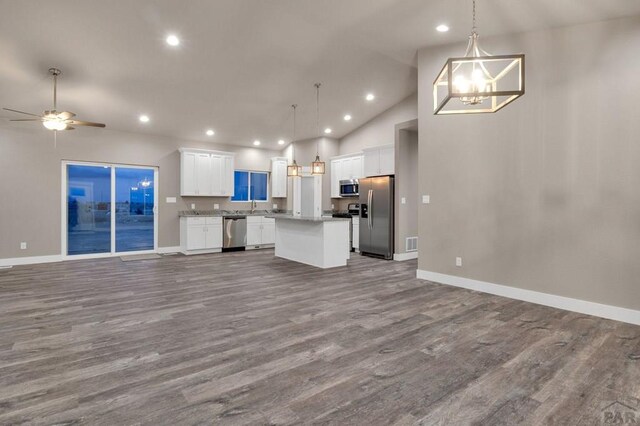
(245, 338)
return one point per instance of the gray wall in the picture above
(380, 130)
(542, 195)
(30, 180)
(406, 186)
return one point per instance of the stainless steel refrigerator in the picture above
(376, 216)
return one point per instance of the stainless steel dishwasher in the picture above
(235, 232)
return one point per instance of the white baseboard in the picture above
(569, 304)
(30, 260)
(401, 257)
(165, 250)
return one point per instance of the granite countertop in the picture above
(307, 219)
(221, 213)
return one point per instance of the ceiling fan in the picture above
(52, 119)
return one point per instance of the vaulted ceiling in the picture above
(242, 63)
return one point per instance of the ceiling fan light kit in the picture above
(478, 82)
(52, 119)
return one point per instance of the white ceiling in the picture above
(242, 63)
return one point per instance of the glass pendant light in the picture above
(293, 169)
(478, 82)
(317, 166)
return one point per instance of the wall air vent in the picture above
(411, 244)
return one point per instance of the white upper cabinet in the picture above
(278, 177)
(206, 173)
(188, 173)
(379, 161)
(336, 175)
(344, 168)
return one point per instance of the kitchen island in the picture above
(322, 242)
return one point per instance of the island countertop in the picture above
(307, 218)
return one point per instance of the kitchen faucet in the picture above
(253, 206)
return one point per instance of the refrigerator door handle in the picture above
(370, 215)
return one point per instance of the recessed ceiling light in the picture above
(280, 142)
(256, 142)
(172, 40)
(210, 132)
(442, 28)
(347, 117)
(370, 97)
(327, 130)
(144, 118)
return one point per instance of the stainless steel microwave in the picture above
(349, 188)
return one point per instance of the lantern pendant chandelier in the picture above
(293, 169)
(317, 166)
(478, 82)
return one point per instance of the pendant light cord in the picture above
(474, 17)
(293, 143)
(318, 118)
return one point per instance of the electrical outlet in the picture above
(458, 261)
(216, 206)
(403, 200)
(171, 200)
(275, 207)
(426, 199)
(193, 206)
(23, 246)
(333, 206)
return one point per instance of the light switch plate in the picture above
(23, 246)
(275, 207)
(193, 206)
(171, 200)
(426, 199)
(458, 261)
(216, 206)
(403, 200)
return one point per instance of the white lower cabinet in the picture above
(355, 221)
(200, 234)
(261, 231)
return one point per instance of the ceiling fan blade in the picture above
(66, 115)
(27, 119)
(85, 123)
(21, 112)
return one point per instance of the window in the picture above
(250, 186)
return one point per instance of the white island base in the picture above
(319, 242)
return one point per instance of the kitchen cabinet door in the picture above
(336, 175)
(356, 167)
(196, 237)
(203, 174)
(216, 175)
(213, 236)
(268, 233)
(278, 178)
(387, 160)
(346, 169)
(188, 174)
(355, 232)
(226, 176)
(372, 162)
(254, 234)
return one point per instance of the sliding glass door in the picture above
(88, 209)
(135, 207)
(109, 209)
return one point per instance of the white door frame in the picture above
(64, 210)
